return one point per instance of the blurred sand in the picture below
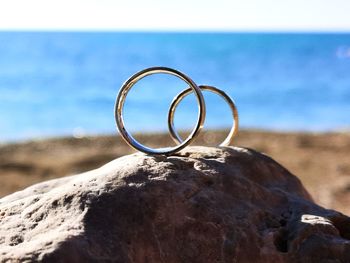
(321, 161)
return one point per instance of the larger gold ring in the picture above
(118, 111)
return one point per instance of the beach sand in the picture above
(320, 160)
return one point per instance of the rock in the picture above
(202, 205)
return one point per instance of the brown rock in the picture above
(203, 205)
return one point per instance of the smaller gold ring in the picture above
(176, 137)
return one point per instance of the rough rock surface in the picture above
(202, 205)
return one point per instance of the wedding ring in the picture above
(119, 105)
(176, 137)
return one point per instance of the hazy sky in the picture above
(306, 15)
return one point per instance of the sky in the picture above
(226, 15)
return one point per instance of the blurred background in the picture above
(286, 64)
(62, 62)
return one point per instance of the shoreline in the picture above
(319, 159)
(345, 130)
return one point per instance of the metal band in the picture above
(176, 137)
(120, 104)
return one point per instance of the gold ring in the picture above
(176, 137)
(119, 105)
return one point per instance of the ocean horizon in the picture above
(65, 83)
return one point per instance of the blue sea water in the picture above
(64, 83)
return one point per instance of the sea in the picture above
(65, 83)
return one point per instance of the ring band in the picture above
(118, 111)
(176, 137)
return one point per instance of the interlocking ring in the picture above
(118, 111)
(176, 137)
